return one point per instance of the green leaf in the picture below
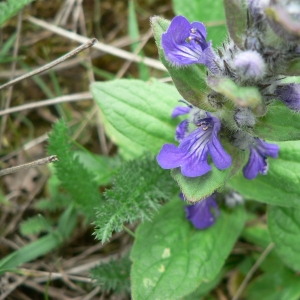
(103, 167)
(138, 110)
(113, 275)
(133, 31)
(127, 148)
(190, 80)
(205, 287)
(235, 11)
(279, 124)
(171, 258)
(293, 68)
(79, 182)
(284, 227)
(198, 188)
(9, 8)
(281, 185)
(277, 285)
(209, 12)
(35, 225)
(241, 96)
(138, 189)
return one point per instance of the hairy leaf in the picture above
(171, 258)
(79, 183)
(9, 8)
(279, 124)
(113, 275)
(35, 225)
(138, 188)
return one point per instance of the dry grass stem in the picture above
(100, 46)
(87, 44)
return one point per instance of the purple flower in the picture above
(200, 214)
(289, 94)
(182, 128)
(192, 153)
(259, 150)
(184, 43)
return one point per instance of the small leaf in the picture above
(74, 177)
(138, 110)
(35, 225)
(279, 124)
(190, 80)
(113, 275)
(171, 258)
(138, 189)
(293, 68)
(103, 167)
(198, 188)
(211, 13)
(235, 11)
(9, 8)
(281, 184)
(241, 96)
(284, 227)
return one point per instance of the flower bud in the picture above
(250, 65)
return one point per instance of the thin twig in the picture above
(39, 162)
(67, 98)
(252, 271)
(100, 46)
(127, 64)
(88, 43)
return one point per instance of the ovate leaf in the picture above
(279, 124)
(284, 227)
(171, 258)
(140, 111)
(277, 285)
(281, 184)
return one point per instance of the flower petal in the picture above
(200, 213)
(170, 156)
(181, 130)
(256, 164)
(180, 110)
(220, 157)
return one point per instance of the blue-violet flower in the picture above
(192, 153)
(259, 150)
(184, 43)
(200, 214)
(289, 94)
(182, 128)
